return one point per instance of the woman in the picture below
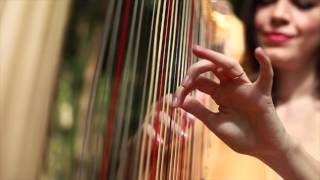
(275, 118)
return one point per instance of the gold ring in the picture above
(238, 76)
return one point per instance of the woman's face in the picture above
(289, 31)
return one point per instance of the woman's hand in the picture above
(246, 120)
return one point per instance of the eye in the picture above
(305, 4)
(265, 2)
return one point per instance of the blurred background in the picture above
(47, 59)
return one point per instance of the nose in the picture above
(281, 13)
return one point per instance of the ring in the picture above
(238, 76)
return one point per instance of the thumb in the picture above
(265, 79)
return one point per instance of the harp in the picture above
(127, 129)
(110, 117)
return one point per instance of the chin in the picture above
(277, 54)
(281, 58)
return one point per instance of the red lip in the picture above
(275, 37)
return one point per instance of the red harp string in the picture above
(115, 92)
(157, 123)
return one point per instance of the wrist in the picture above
(292, 162)
(285, 149)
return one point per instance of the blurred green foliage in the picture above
(61, 156)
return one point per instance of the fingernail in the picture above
(261, 49)
(196, 47)
(187, 81)
(175, 102)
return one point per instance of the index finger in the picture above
(231, 67)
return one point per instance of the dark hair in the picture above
(247, 15)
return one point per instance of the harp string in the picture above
(159, 155)
(188, 138)
(115, 92)
(175, 75)
(175, 79)
(135, 59)
(185, 125)
(162, 106)
(183, 118)
(151, 50)
(181, 139)
(161, 59)
(166, 119)
(177, 143)
(136, 164)
(160, 94)
(172, 78)
(153, 90)
(97, 76)
(94, 120)
(131, 131)
(111, 54)
(123, 121)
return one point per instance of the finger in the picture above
(194, 107)
(221, 75)
(203, 84)
(230, 66)
(201, 67)
(206, 85)
(196, 69)
(265, 79)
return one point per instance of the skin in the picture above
(256, 129)
(294, 62)
(295, 59)
(234, 123)
(295, 20)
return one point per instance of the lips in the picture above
(275, 37)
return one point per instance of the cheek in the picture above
(310, 30)
(259, 20)
(309, 24)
